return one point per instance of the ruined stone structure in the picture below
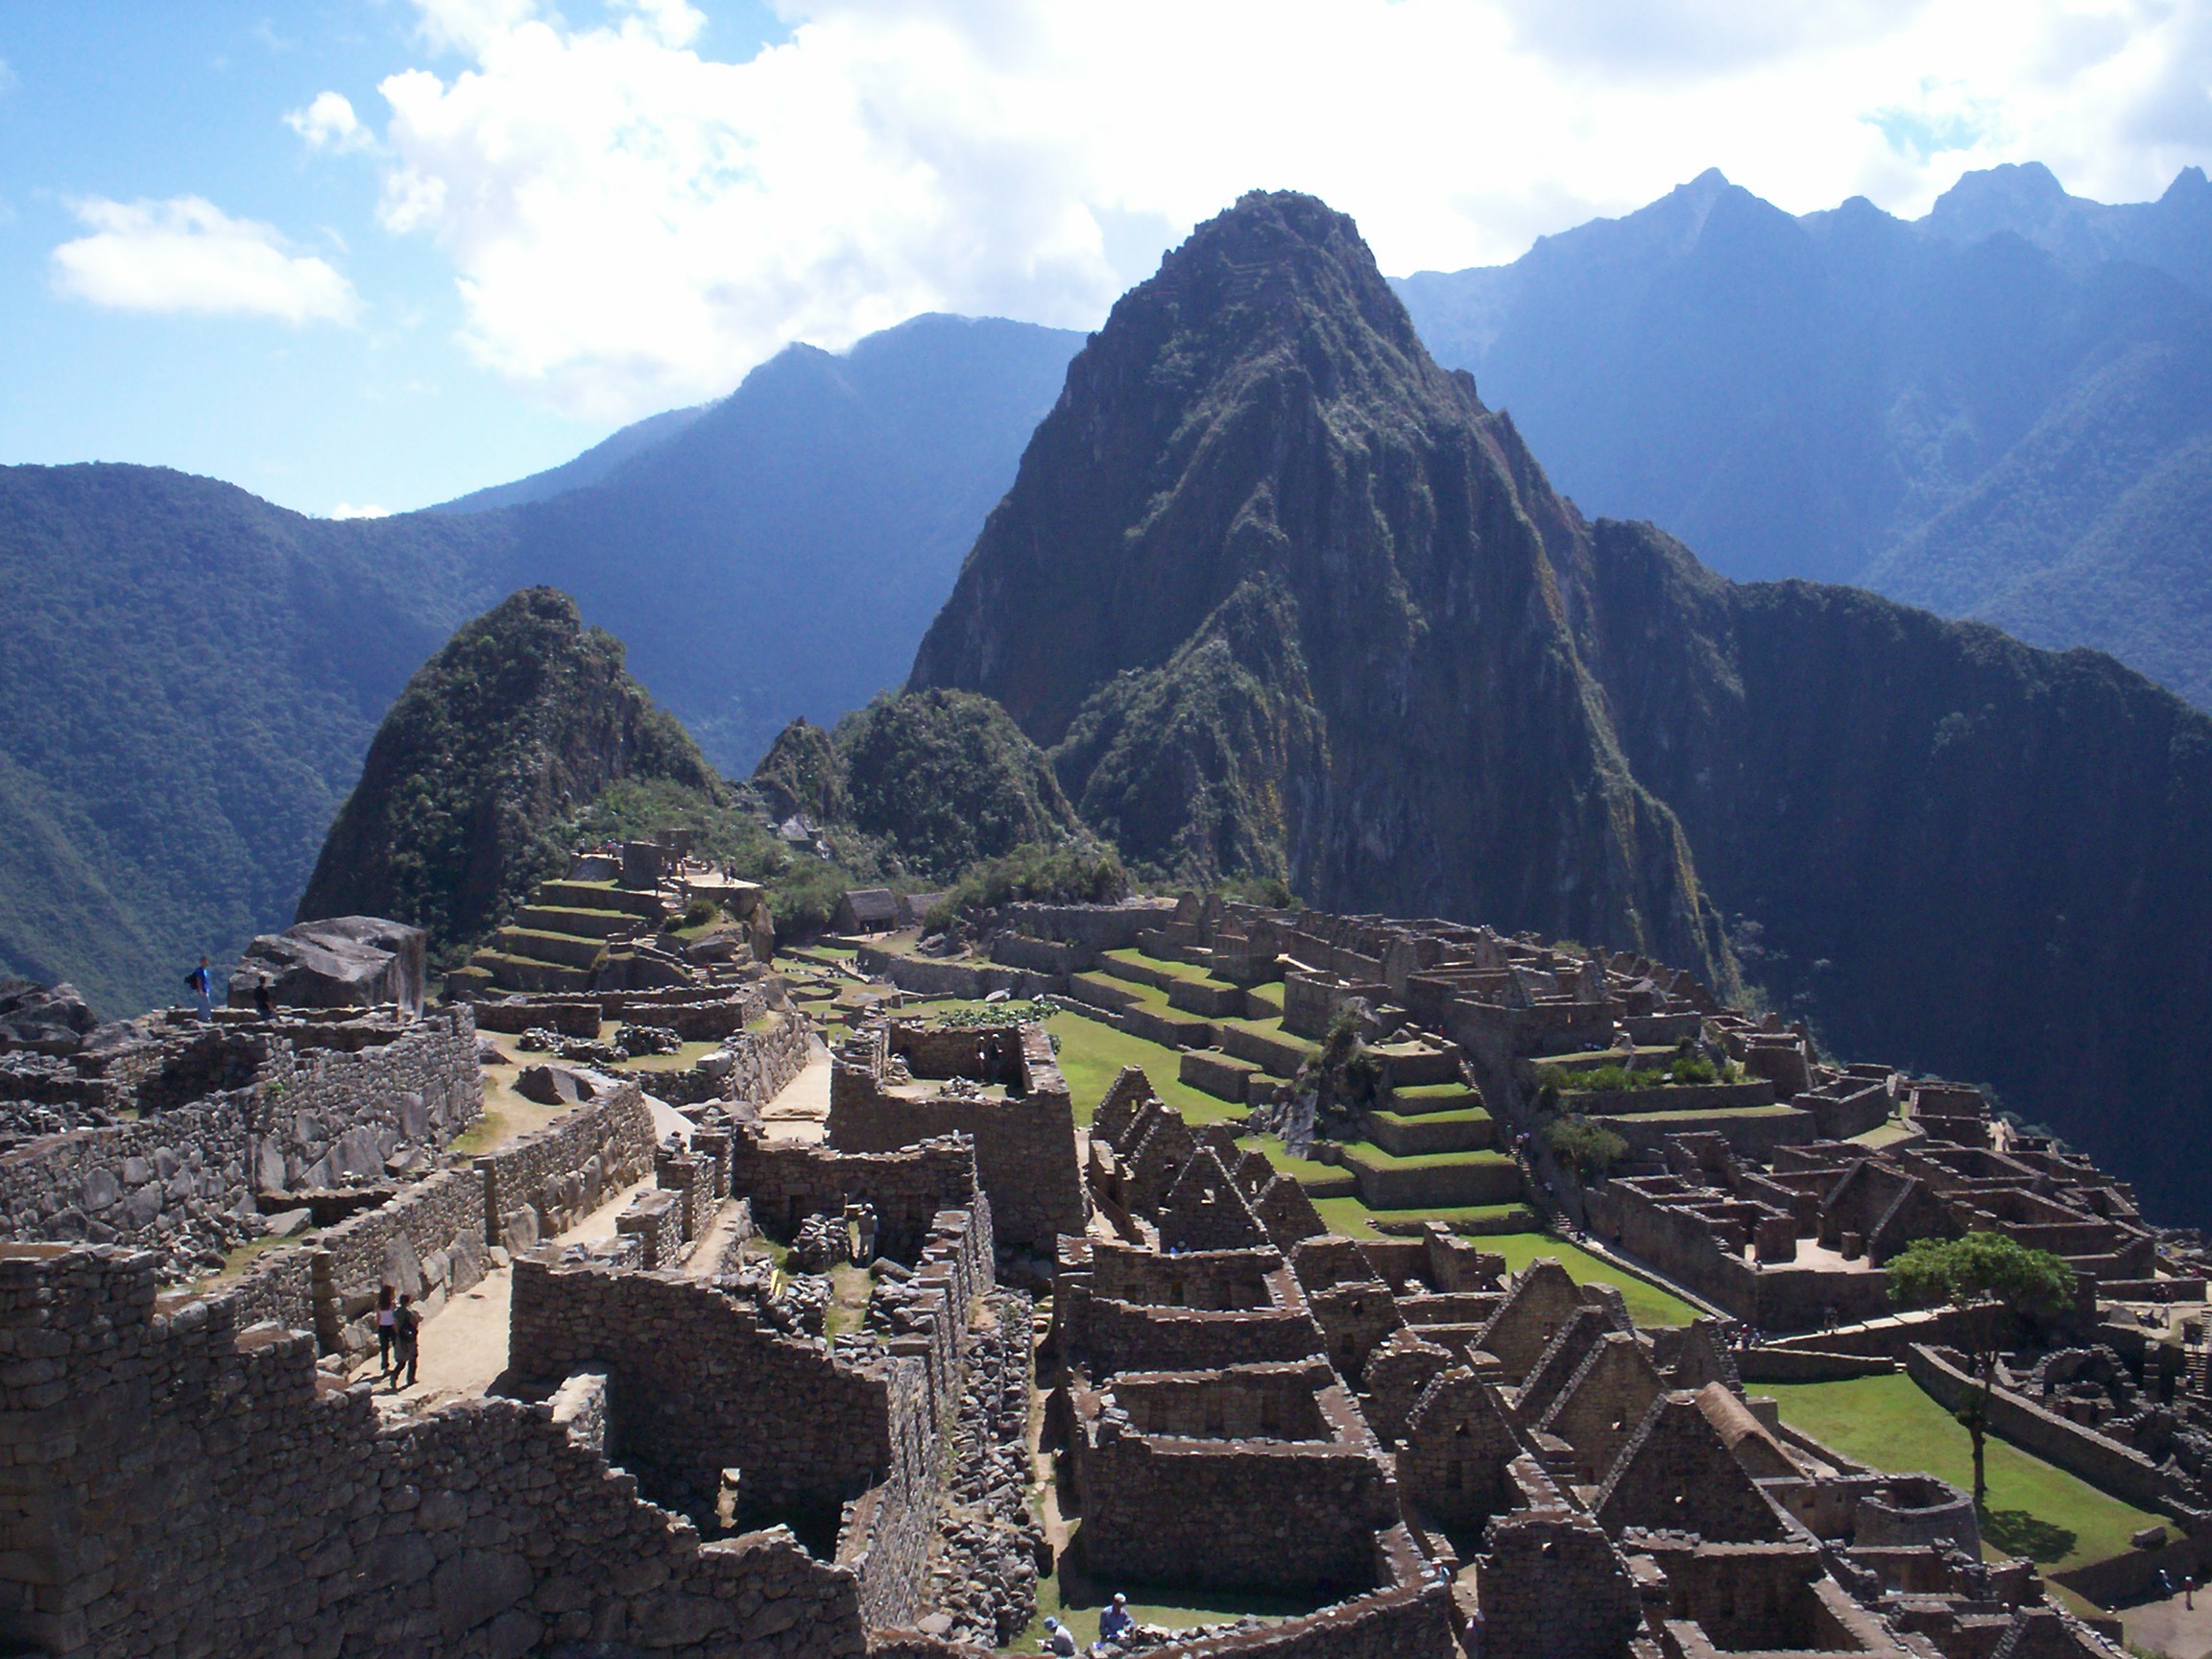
(999, 1085)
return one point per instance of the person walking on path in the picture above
(202, 981)
(406, 1342)
(387, 1327)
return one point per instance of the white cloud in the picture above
(346, 510)
(633, 223)
(188, 256)
(330, 123)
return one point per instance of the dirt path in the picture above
(464, 1348)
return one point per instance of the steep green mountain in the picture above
(524, 718)
(190, 677)
(1995, 411)
(941, 781)
(1273, 583)
(1282, 593)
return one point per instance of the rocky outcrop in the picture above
(1276, 586)
(345, 962)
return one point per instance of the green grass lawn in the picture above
(1091, 1056)
(1351, 1215)
(2033, 1509)
(1307, 1172)
(1190, 970)
(686, 1056)
(1077, 1601)
(1648, 1304)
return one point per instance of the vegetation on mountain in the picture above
(1995, 411)
(520, 721)
(1058, 875)
(934, 782)
(1266, 582)
(1283, 596)
(188, 678)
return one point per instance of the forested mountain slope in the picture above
(1996, 411)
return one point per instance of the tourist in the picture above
(261, 1001)
(1058, 1639)
(202, 981)
(1473, 1642)
(2189, 1590)
(406, 1342)
(387, 1324)
(1114, 1623)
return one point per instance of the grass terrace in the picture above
(2034, 1509)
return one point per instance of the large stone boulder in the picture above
(343, 962)
(50, 1019)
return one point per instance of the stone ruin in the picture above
(783, 1409)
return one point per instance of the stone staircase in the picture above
(566, 938)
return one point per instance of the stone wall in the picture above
(546, 1182)
(1268, 1515)
(845, 1454)
(204, 1491)
(182, 1181)
(787, 1181)
(749, 1065)
(427, 1243)
(1024, 1144)
(1412, 1623)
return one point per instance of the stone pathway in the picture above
(2170, 1627)
(464, 1348)
(801, 1111)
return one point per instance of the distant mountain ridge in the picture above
(1996, 411)
(190, 677)
(594, 466)
(1280, 593)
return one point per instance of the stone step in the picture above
(1223, 1076)
(598, 896)
(520, 974)
(1430, 1098)
(583, 924)
(565, 949)
(1413, 1137)
(1277, 1053)
(1390, 1181)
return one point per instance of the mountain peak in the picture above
(2022, 197)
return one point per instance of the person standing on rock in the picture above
(202, 981)
(406, 1342)
(387, 1326)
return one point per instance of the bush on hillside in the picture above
(1044, 874)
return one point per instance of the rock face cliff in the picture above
(1283, 596)
(1274, 586)
(520, 721)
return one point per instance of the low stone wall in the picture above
(2104, 1463)
(1413, 1622)
(925, 976)
(1096, 928)
(210, 1495)
(545, 1182)
(1808, 1365)
(787, 1181)
(571, 1016)
(751, 1066)
(1668, 1097)
(427, 1243)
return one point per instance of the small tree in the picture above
(1987, 1276)
(1592, 1149)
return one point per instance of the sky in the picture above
(369, 254)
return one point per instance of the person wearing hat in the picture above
(1114, 1623)
(1058, 1639)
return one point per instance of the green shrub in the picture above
(804, 898)
(1590, 1148)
